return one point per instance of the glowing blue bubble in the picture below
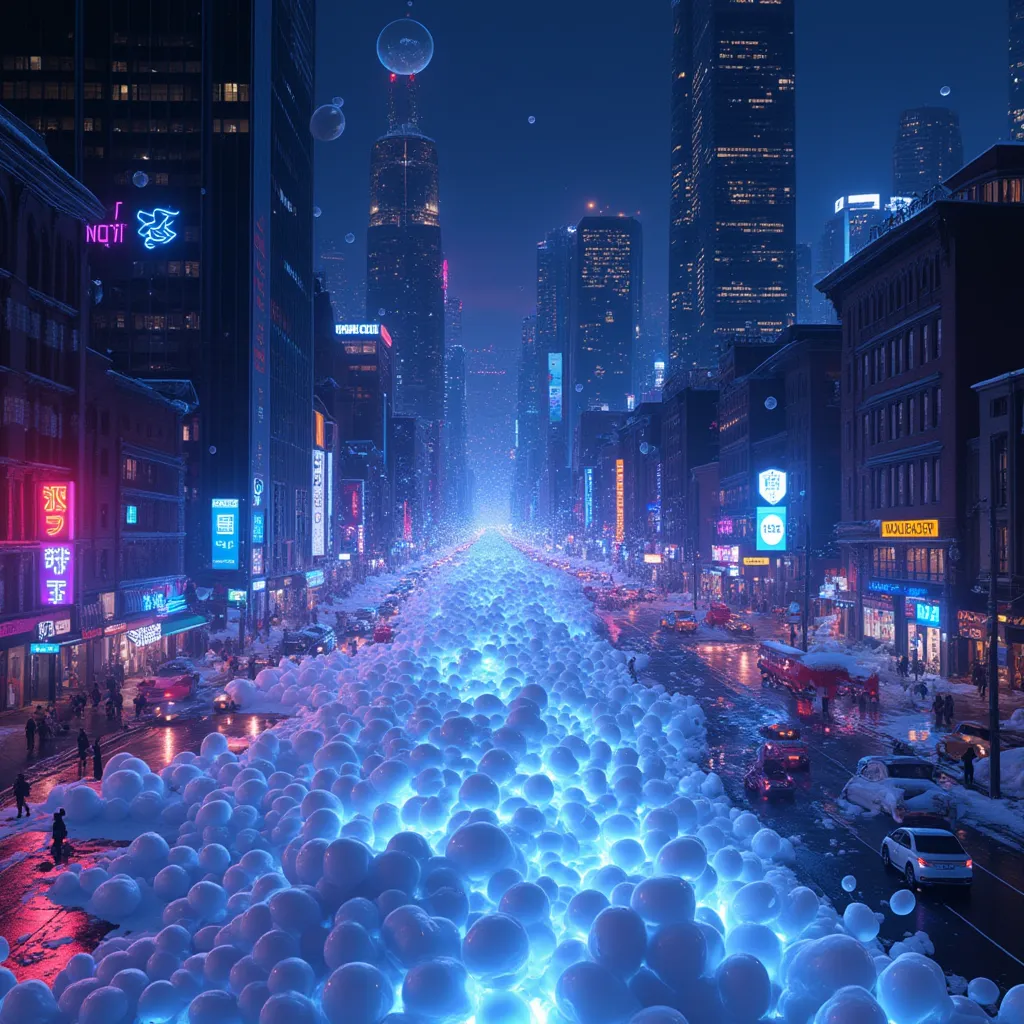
(851, 1004)
(756, 940)
(436, 990)
(584, 907)
(618, 940)
(983, 991)
(902, 902)
(350, 237)
(685, 856)
(327, 123)
(356, 994)
(348, 943)
(664, 899)
(495, 947)
(823, 966)
(587, 993)
(527, 902)
(912, 989)
(405, 47)
(849, 883)
(140, 179)
(677, 953)
(945, 91)
(744, 986)
(860, 922)
(531, 119)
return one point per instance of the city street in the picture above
(44, 936)
(974, 932)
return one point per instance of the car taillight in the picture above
(921, 862)
(794, 757)
(168, 693)
(767, 784)
(969, 863)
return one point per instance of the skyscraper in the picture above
(456, 474)
(606, 313)
(343, 279)
(804, 284)
(928, 150)
(532, 399)
(732, 249)
(404, 255)
(188, 121)
(555, 258)
(1017, 69)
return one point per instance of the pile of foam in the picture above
(483, 821)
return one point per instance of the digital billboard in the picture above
(319, 501)
(224, 526)
(771, 528)
(555, 387)
(350, 504)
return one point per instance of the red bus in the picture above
(805, 672)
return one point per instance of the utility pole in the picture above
(807, 575)
(993, 653)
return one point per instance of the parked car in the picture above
(738, 627)
(768, 777)
(366, 614)
(383, 634)
(310, 640)
(792, 753)
(175, 680)
(718, 614)
(903, 787)
(974, 734)
(928, 856)
(166, 712)
(682, 621)
(779, 731)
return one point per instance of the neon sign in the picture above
(225, 532)
(145, 635)
(771, 528)
(771, 485)
(555, 387)
(155, 226)
(588, 496)
(107, 234)
(57, 505)
(357, 329)
(319, 499)
(56, 575)
(620, 500)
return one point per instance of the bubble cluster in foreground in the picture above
(483, 820)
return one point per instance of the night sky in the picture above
(596, 77)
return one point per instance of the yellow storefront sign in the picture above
(910, 529)
(756, 560)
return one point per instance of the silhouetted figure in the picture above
(969, 756)
(21, 792)
(83, 752)
(97, 761)
(60, 833)
(30, 735)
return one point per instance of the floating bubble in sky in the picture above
(945, 90)
(350, 238)
(579, 388)
(903, 902)
(532, 119)
(338, 101)
(644, 447)
(771, 402)
(140, 179)
(405, 47)
(317, 211)
(327, 122)
(849, 882)
(382, 311)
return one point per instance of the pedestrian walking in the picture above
(97, 761)
(969, 756)
(903, 667)
(982, 685)
(252, 666)
(947, 707)
(96, 695)
(21, 792)
(30, 735)
(918, 667)
(119, 703)
(43, 732)
(939, 710)
(83, 752)
(60, 833)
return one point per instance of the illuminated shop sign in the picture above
(771, 485)
(650, 559)
(57, 511)
(49, 628)
(44, 649)
(910, 529)
(236, 597)
(258, 527)
(319, 501)
(56, 575)
(756, 560)
(145, 635)
(350, 508)
(315, 578)
(725, 553)
(724, 527)
(926, 614)
(155, 226)
(588, 496)
(109, 234)
(224, 512)
(885, 587)
(363, 330)
(771, 528)
(620, 500)
(258, 585)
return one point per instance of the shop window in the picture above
(883, 560)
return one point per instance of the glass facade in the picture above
(733, 215)
(928, 150)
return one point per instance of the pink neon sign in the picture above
(107, 234)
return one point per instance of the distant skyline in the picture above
(595, 75)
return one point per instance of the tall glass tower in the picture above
(928, 150)
(1017, 70)
(732, 248)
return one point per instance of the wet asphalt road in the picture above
(43, 936)
(975, 932)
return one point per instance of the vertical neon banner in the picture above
(620, 501)
(588, 496)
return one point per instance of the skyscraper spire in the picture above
(403, 110)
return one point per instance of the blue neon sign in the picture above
(225, 532)
(588, 496)
(927, 614)
(156, 226)
(771, 528)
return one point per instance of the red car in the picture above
(768, 777)
(383, 634)
(718, 615)
(175, 680)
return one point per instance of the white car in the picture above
(928, 856)
(902, 787)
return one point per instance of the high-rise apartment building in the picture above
(456, 475)
(732, 251)
(804, 283)
(928, 150)
(536, 389)
(555, 260)
(606, 313)
(1016, 109)
(188, 120)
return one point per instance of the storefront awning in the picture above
(181, 623)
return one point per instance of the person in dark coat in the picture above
(947, 706)
(21, 792)
(252, 666)
(97, 761)
(969, 756)
(30, 735)
(83, 752)
(43, 731)
(939, 710)
(60, 833)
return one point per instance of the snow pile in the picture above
(485, 820)
(1011, 772)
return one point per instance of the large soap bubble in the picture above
(350, 238)
(405, 47)
(327, 122)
